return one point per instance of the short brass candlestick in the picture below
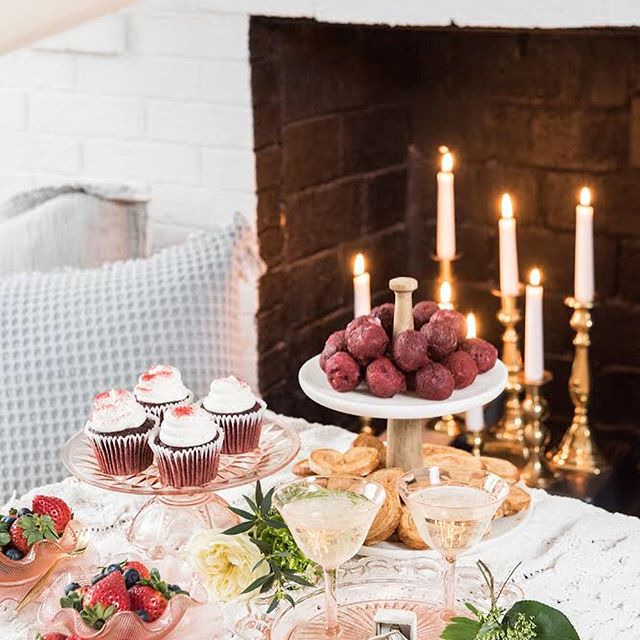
(447, 424)
(536, 473)
(506, 436)
(577, 450)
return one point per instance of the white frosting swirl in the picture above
(229, 395)
(188, 426)
(116, 410)
(162, 383)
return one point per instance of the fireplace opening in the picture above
(348, 120)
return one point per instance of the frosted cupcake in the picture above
(161, 387)
(238, 411)
(119, 430)
(187, 446)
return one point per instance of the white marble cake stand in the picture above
(406, 406)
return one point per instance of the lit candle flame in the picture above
(471, 325)
(585, 197)
(445, 293)
(535, 277)
(443, 148)
(447, 162)
(358, 265)
(507, 206)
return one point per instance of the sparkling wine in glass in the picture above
(452, 508)
(329, 518)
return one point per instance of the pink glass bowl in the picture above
(127, 625)
(41, 557)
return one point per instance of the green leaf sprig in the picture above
(287, 567)
(526, 620)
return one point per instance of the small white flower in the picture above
(225, 563)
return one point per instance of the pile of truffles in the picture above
(432, 359)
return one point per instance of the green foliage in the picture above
(526, 620)
(287, 567)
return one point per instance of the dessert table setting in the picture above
(206, 515)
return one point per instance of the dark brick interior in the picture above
(347, 124)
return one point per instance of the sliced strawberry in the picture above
(104, 599)
(58, 510)
(145, 574)
(52, 636)
(145, 599)
(27, 530)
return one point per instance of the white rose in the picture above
(226, 563)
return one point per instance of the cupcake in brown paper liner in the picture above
(187, 446)
(235, 407)
(119, 430)
(160, 388)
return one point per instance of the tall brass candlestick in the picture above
(447, 424)
(577, 450)
(506, 437)
(536, 473)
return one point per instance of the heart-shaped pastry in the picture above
(452, 460)
(517, 500)
(502, 468)
(408, 532)
(388, 518)
(368, 440)
(302, 468)
(429, 448)
(358, 461)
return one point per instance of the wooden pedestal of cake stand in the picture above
(406, 412)
(404, 436)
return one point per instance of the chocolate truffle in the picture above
(462, 367)
(441, 339)
(385, 379)
(422, 313)
(384, 313)
(335, 342)
(484, 354)
(367, 340)
(434, 382)
(410, 350)
(453, 318)
(343, 372)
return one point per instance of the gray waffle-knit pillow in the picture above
(64, 336)
(72, 225)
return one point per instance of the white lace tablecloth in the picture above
(576, 557)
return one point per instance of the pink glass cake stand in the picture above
(370, 584)
(168, 519)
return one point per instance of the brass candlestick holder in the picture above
(577, 450)
(447, 424)
(535, 410)
(506, 437)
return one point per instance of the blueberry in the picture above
(111, 568)
(97, 578)
(13, 554)
(71, 587)
(144, 616)
(25, 511)
(131, 577)
(174, 587)
(9, 520)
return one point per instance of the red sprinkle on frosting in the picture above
(187, 410)
(161, 371)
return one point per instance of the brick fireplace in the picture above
(347, 123)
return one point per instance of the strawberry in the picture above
(139, 567)
(104, 599)
(55, 508)
(147, 602)
(27, 530)
(52, 636)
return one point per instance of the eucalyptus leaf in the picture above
(242, 513)
(551, 624)
(243, 527)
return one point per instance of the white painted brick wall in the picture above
(159, 95)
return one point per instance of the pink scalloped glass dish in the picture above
(182, 613)
(42, 555)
